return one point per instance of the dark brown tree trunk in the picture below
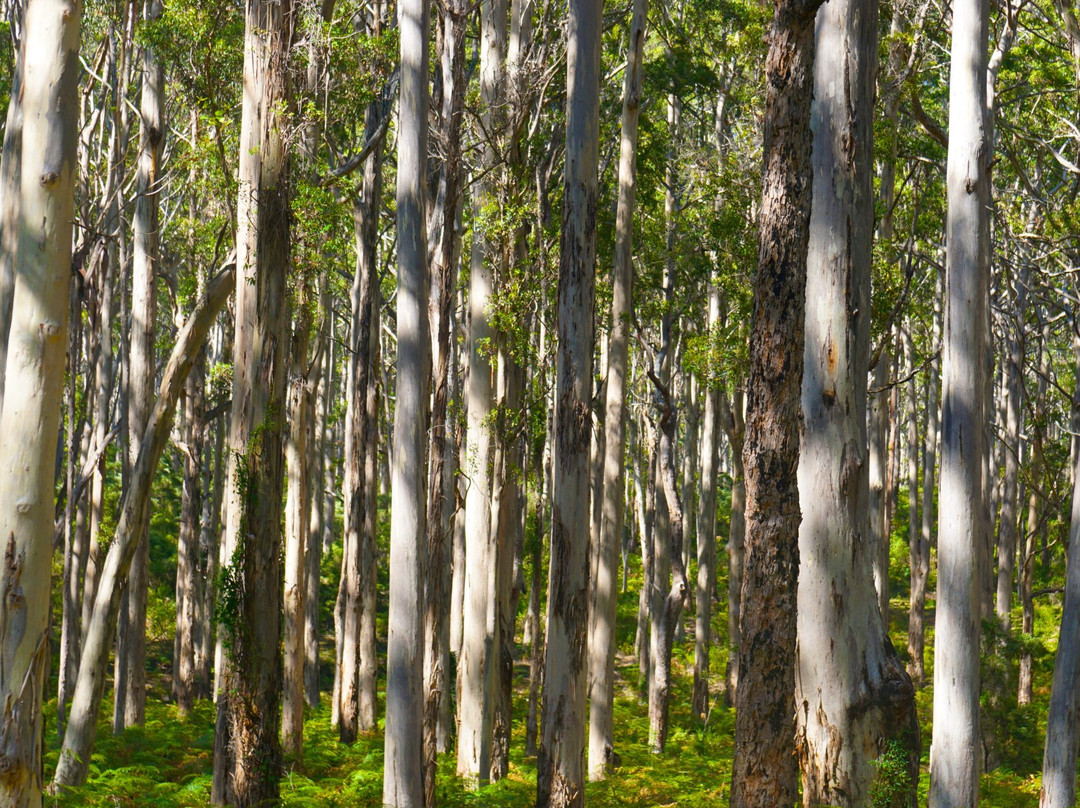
(765, 770)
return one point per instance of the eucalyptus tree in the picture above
(561, 776)
(247, 752)
(131, 639)
(765, 770)
(853, 695)
(954, 758)
(34, 380)
(403, 773)
(603, 597)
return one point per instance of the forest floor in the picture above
(168, 761)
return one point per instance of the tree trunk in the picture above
(735, 427)
(356, 666)
(475, 719)
(30, 422)
(954, 762)
(852, 696)
(1063, 716)
(187, 545)
(1010, 485)
(10, 201)
(247, 750)
(90, 685)
(560, 770)
(444, 261)
(765, 770)
(131, 643)
(706, 533)
(878, 441)
(602, 639)
(403, 778)
(297, 524)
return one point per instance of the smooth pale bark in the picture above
(30, 421)
(560, 767)
(90, 686)
(475, 719)
(878, 429)
(706, 533)
(918, 543)
(603, 596)
(247, 749)
(297, 524)
(1063, 716)
(10, 173)
(916, 626)
(403, 773)
(954, 758)
(1006, 540)
(187, 543)
(852, 696)
(765, 770)
(319, 449)
(441, 483)
(735, 428)
(131, 646)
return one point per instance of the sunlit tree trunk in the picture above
(735, 429)
(954, 758)
(560, 768)
(1006, 542)
(603, 596)
(30, 421)
(706, 533)
(247, 751)
(854, 695)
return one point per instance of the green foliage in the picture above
(892, 785)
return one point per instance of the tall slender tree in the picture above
(561, 776)
(603, 597)
(765, 770)
(954, 758)
(403, 774)
(247, 750)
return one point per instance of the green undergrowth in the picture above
(168, 762)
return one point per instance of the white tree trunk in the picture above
(34, 373)
(954, 752)
(851, 695)
(403, 777)
(604, 596)
(479, 613)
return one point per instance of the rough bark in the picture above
(247, 750)
(444, 260)
(90, 685)
(765, 770)
(30, 421)
(603, 596)
(954, 762)
(560, 770)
